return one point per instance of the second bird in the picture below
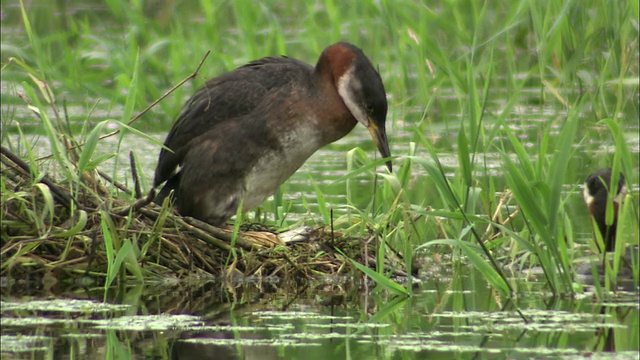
(244, 133)
(596, 191)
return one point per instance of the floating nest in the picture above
(90, 225)
(81, 228)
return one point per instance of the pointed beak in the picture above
(379, 136)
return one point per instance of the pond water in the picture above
(454, 312)
(452, 315)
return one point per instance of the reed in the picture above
(462, 79)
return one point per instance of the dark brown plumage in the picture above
(245, 132)
(596, 190)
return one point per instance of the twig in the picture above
(221, 234)
(139, 204)
(193, 75)
(115, 183)
(153, 104)
(295, 266)
(203, 235)
(134, 174)
(196, 230)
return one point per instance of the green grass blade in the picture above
(90, 146)
(76, 228)
(388, 284)
(464, 158)
(487, 271)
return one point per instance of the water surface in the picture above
(454, 313)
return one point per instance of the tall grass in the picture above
(558, 36)
(462, 78)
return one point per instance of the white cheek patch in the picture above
(588, 199)
(347, 82)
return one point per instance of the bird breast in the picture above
(274, 167)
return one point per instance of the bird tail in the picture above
(170, 186)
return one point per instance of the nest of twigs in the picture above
(47, 227)
(89, 224)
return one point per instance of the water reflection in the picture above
(453, 314)
(450, 315)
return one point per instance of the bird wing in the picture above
(224, 98)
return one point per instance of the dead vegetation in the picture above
(81, 222)
(48, 227)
